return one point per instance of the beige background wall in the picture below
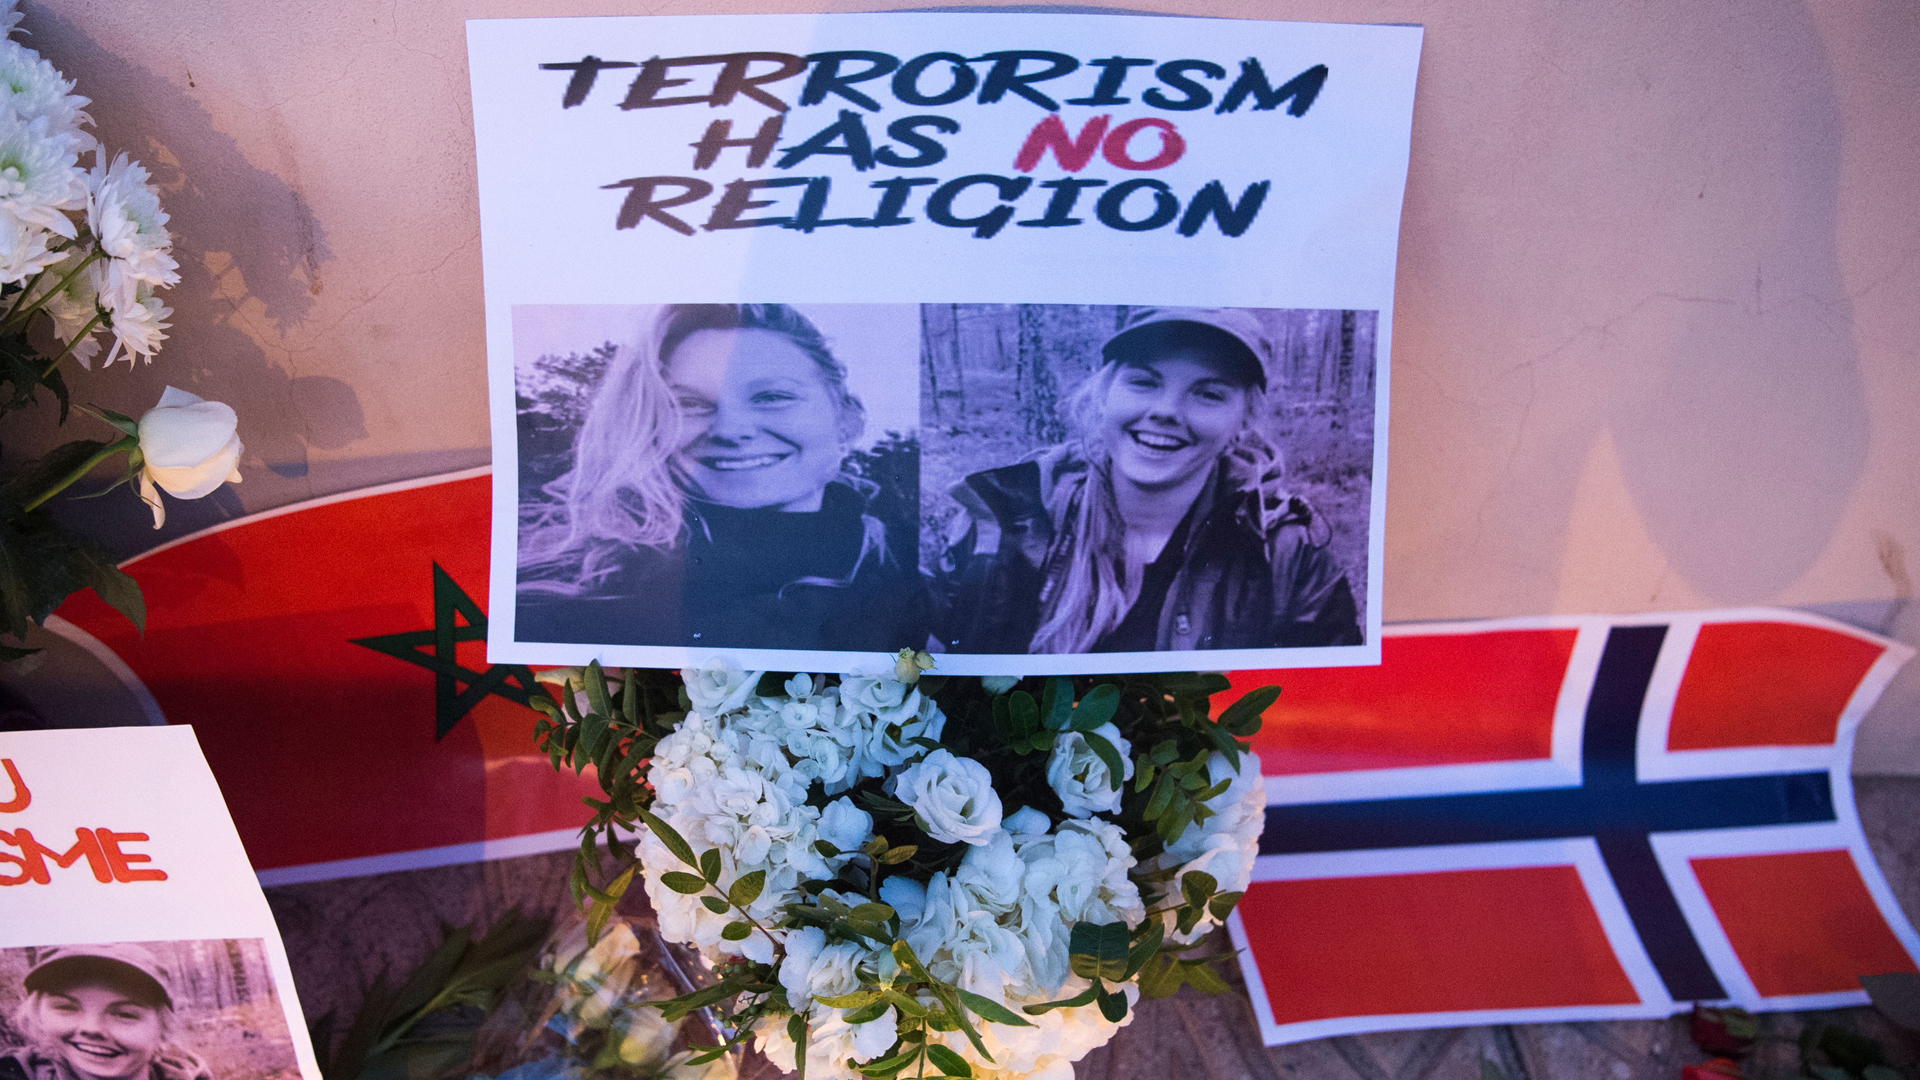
(1659, 290)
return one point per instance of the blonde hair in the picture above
(1098, 587)
(26, 1020)
(625, 490)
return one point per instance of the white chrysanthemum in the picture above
(138, 320)
(39, 180)
(1225, 844)
(73, 307)
(23, 250)
(124, 213)
(31, 88)
(9, 16)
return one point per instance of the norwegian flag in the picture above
(1568, 819)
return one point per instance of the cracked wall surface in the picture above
(1657, 342)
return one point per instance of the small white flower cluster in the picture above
(104, 276)
(761, 780)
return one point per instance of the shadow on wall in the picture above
(1738, 405)
(251, 256)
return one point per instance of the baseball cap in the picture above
(1232, 335)
(64, 964)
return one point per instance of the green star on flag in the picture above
(451, 605)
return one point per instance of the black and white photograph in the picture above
(1114, 479)
(155, 1010)
(1032, 480)
(719, 475)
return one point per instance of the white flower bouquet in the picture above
(84, 248)
(908, 876)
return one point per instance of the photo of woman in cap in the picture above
(98, 1012)
(709, 501)
(1162, 523)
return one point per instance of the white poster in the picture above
(134, 939)
(1044, 343)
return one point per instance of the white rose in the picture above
(952, 798)
(189, 447)
(814, 969)
(845, 825)
(991, 872)
(1081, 778)
(905, 896)
(719, 687)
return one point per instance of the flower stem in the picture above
(27, 313)
(85, 467)
(77, 339)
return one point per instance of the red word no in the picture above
(1074, 151)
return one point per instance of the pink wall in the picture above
(1659, 291)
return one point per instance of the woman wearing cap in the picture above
(708, 503)
(98, 1013)
(1161, 526)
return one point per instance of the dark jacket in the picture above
(26, 1064)
(1255, 572)
(748, 579)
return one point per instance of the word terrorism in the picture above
(854, 81)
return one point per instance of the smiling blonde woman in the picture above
(708, 502)
(1162, 526)
(98, 1012)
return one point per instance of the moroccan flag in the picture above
(1568, 819)
(331, 657)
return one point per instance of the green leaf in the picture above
(949, 1063)
(1165, 752)
(989, 1009)
(618, 887)
(900, 854)
(1098, 950)
(1110, 756)
(1201, 976)
(1222, 904)
(1056, 704)
(597, 919)
(825, 848)
(1023, 713)
(904, 955)
(736, 931)
(596, 680)
(907, 1006)
(689, 884)
(673, 840)
(1074, 1002)
(859, 999)
(713, 904)
(873, 913)
(1144, 949)
(1097, 708)
(746, 888)
(1242, 718)
(1197, 886)
(866, 1014)
(710, 865)
(888, 1066)
(1113, 1006)
(1161, 797)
